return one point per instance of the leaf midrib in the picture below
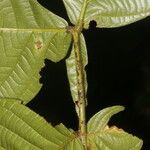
(34, 30)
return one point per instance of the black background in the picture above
(118, 74)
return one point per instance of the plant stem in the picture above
(80, 77)
(81, 103)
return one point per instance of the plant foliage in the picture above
(27, 130)
(29, 34)
(22, 129)
(108, 13)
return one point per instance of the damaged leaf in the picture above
(28, 34)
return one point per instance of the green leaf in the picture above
(99, 121)
(28, 34)
(72, 69)
(100, 136)
(113, 139)
(22, 129)
(108, 13)
(1, 148)
(30, 131)
(73, 8)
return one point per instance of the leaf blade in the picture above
(73, 9)
(99, 121)
(30, 131)
(112, 139)
(116, 13)
(101, 136)
(108, 13)
(25, 41)
(32, 14)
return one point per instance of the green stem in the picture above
(81, 104)
(80, 72)
(81, 80)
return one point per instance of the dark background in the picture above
(118, 74)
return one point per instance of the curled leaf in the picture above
(101, 136)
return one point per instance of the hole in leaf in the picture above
(54, 101)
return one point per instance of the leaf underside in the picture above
(108, 13)
(114, 139)
(100, 120)
(27, 130)
(103, 137)
(28, 34)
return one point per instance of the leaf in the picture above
(99, 121)
(21, 128)
(71, 68)
(30, 131)
(114, 139)
(108, 13)
(73, 8)
(100, 136)
(1, 148)
(28, 34)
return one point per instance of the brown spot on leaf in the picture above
(38, 44)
